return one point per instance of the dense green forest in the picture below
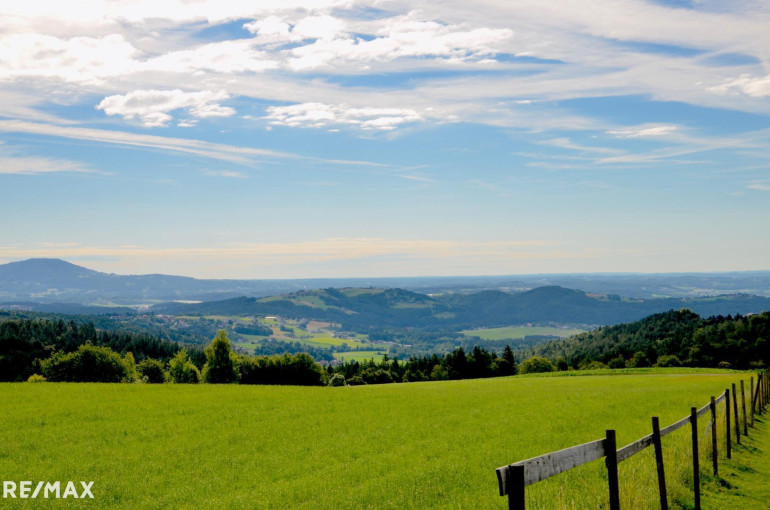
(67, 351)
(674, 337)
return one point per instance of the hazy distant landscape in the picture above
(368, 254)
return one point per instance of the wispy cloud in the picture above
(31, 165)
(231, 153)
(225, 173)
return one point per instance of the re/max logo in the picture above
(24, 490)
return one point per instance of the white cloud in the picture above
(746, 84)
(79, 59)
(223, 152)
(226, 173)
(643, 131)
(151, 107)
(222, 57)
(759, 185)
(399, 37)
(30, 165)
(318, 115)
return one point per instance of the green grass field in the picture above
(360, 355)
(515, 332)
(419, 445)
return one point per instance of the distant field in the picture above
(419, 445)
(360, 355)
(515, 332)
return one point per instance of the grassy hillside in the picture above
(421, 445)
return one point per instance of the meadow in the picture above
(418, 445)
(515, 332)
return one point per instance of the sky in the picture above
(345, 138)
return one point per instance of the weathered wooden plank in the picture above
(674, 426)
(719, 399)
(634, 448)
(659, 463)
(695, 457)
(545, 466)
(704, 410)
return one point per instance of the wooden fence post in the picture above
(695, 459)
(659, 463)
(516, 489)
(714, 452)
(743, 411)
(735, 415)
(611, 452)
(727, 424)
(751, 401)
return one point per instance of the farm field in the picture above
(514, 332)
(419, 445)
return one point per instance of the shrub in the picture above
(439, 373)
(356, 381)
(668, 361)
(638, 361)
(562, 365)
(595, 365)
(618, 362)
(152, 371)
(220, 361)
(337, 380)
(36, 378)
(536, 364)
(182, 371)
(89, 364)
(724, 364)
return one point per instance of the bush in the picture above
(439, 373)
(337, 380)
(89, 364)
(36, 378)
(535, 365)
(220, 361)
(638, 361)
(182, 371)
(356, 381)
(300, 369)
(561, 365)
(618, 362)
(724, 364)
(668, 361)
(152, 371)
(594, 365)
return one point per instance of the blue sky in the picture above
(333, 138)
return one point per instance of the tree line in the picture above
(674, 338)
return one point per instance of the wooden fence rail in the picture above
(514, 478)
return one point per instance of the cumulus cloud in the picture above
(399, 37)
(151, 107)
(318, 115)
(79, 59)
(224, 57)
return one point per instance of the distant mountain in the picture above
(57, 281)
(359, 309)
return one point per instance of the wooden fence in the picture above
(514, 478)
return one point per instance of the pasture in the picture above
(516, 332)
(418, 445)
